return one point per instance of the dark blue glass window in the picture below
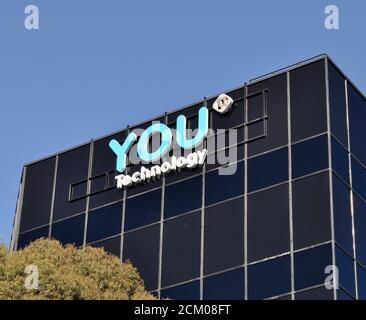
(268, 223)
(361, 281)
(269, 278)
(181, 249)
(141, 247)
(360, 227)
(105, 197)
(310, 266)
(346, 271)
(340, 162)
(357, 119)
(104, 222)
(224, 236)
(37, 198)
(70, 230)
(188, 291)
(337, 99)
(276, 102)
(225, 186)
(143, 210)
(308, 101)
(311, 210)
(359, 178)
(72, 168)
(26, 238)
(224, 286)
(111, 246)
(268, 169)
(342, 215)
(342, 295)
(183, 196)
(320, 293)
(309, 156)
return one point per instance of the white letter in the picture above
(32, 20)
(332, 20)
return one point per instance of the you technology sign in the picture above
(191, 161)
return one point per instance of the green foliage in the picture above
(68, 273)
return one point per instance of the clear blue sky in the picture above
(95, 66)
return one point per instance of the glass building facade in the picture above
(295, 204)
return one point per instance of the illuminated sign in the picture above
(191, 161)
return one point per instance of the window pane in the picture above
(111, 246)
(141, 247)
(361, 281)
(105, 197)
(342, 295)
(346, 271)
(37, 197)
(225, 186)
(224, 157)
(310, 265)
(357, 119)
(277, 113)
(268, 169)
(340, 160)
(181, 249)
(337, 99)
(268, 223)
(98, 183)
(104, 222)
(360, 227)
(26, 238)
(78, 190)
(225, 139)
(342, 215)
(310, 156)
(224, 236)
(70, 230)
(143, 209)
(269, 278)
(72, 168)
(320, 293)
(224, 286)
(311, 210)
(176, 196)
(188, 291)
(308, 101)
(358, 178)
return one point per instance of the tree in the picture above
(47, 270)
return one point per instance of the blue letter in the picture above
(143, 145)
(201, 133)
(121, 150)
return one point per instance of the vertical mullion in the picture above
(123, 212)
(53, 196)
(161, 230)
(245, 194)
(90, 165)
(290, 185)
(330, 168)
(351, 189)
